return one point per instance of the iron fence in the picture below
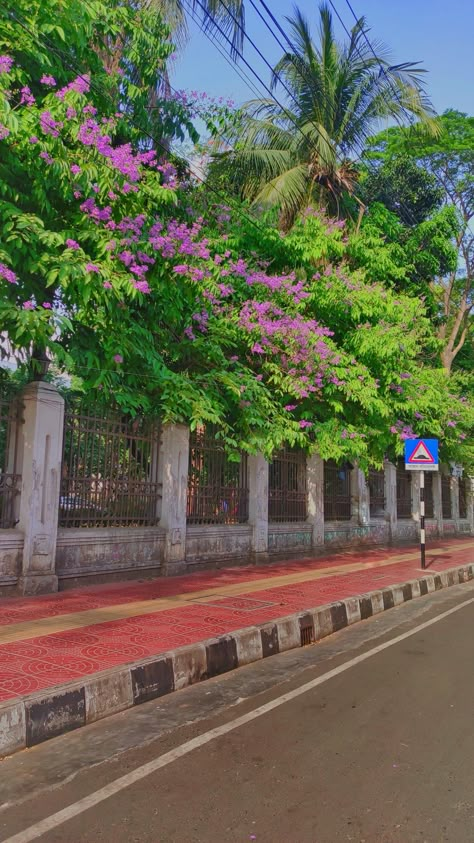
(463, 481)
(404, 504)
(376, 483)
(109, 472)
(287, 493)
(337, 492)
(9, 477)
(429, 500)
(446, 496)
(217, 486)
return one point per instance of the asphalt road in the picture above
(360, 738)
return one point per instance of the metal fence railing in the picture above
(376, 483)
(109, 472)
(404, 503)
(10, 479)
(463, 497)
(337, 492)
(446, 496)
(287, 492)
(218, 490)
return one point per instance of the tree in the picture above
(406, 189)
(297, 152)
(166, 304)
(449, 158)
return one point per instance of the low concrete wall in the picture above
(406, 530)
(349, 534)
(289, 536)
(215, 542)
(464, 527)
(11, 552)
(102, 554)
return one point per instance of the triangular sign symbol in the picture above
(421, 454)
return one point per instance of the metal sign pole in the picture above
(422, 519)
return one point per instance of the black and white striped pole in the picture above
(422, 520)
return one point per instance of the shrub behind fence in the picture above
(217, 486)
(109, 470)
(9, 478)
(287, 493)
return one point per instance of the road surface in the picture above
(364, 737)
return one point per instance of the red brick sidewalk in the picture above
(48, 641)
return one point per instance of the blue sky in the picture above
(438, 34)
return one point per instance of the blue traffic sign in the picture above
(421, 455)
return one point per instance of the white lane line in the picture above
(52, 822)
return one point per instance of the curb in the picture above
(39, 717)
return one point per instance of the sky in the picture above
(438, 34)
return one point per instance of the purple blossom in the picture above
(92, 267)
(81, 85)
(290, 407)
(72, 244)
(6, 64)
(107, 285)
(75, 169)
(71, 112)
(33, 139)
(304, 423)
(405, 375)
(50, 126)
(118, 358)
(28, 305)
(27, 97)
(46, 79)
(46, 157)
(181, 269)
(8, 274)
(4, 132)
(451, 424)
(142, 286)
(46, 305)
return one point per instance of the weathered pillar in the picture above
(455, 501)
(42, 443)
(470, 502)
(315, 488)
(415, 496)
(391, 499)
(258, 502)
(438, 501)
(360, 497)
(173, 475)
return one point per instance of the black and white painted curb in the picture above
(38, 717)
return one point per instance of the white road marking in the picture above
(77, 808)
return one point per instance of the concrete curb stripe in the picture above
(37, 718)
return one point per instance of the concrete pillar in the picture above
(315, 488)
(437, 502)
(470, 502)
(360, 497)
(258, 502)
(455, 501)
(391, 499)
(415, 496)
(42, 435)
(173, 476)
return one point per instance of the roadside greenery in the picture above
(168, 297)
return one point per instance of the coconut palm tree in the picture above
(299, 146)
